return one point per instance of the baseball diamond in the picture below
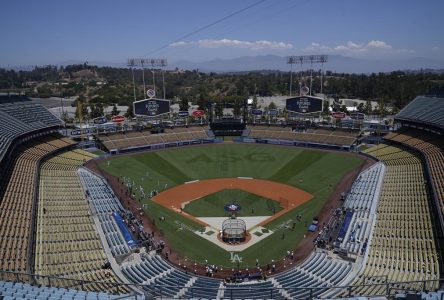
(177, 197)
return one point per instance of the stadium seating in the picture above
(10, 290)
(362, 200)
(431, 146)
(402, 247)
(17, 189)
(17, 119)
(100, 194)
(318, 271)
(67, 243)
(134, 139)
(104, 202)
(426, 110)
(257, 290)
(317, 136)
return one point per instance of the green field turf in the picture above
(213, 205)
(314, 171)
(98, 152)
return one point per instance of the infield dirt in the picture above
(177, 197)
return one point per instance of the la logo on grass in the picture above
(235, 257)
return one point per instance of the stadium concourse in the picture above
(66, 235)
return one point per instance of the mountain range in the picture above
(336, 63)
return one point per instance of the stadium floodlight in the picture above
(291, 61)
(158, 62)
(132, 62)
(305, 59)
(142, 63)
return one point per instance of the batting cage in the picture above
(234, 231)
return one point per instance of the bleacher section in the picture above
(99, 193)
(362, 200)
(402, 246)
(318, 271)
(67, 243)
(17, 119)
(432, 147)
(10, 291)
(103, 203)
(425, 110)
(17, 192)
(315, 136)
(137, 139)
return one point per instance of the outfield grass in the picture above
(250, 204)
(316, 172)
(98, 152)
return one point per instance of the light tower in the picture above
(132, 63)
(153, 62)
(158, 62)
(304, 59)
(291, 60)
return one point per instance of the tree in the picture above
(272, 105)
(96, 110)
(202, 100)
(183, 105)
(368, 107)
(115, 111)
(237, 108)
(325, 110)
(84, 111)
(254, 101)
(219, 109)
(130, 112)
(81, 108)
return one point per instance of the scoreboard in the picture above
(151, 107)
(304, 104)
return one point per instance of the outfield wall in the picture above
(294, 143)
(163, 146)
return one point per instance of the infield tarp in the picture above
(124, 230)
(345, 225)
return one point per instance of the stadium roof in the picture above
(425, 110)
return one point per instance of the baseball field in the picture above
(312, 171)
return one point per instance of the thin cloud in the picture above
(252, 45)
(378, 45)
(353, 48)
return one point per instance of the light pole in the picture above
(142, 62)
(132, 64)
(291, 61)
(307, 59)
(163, 82)
(158, 62)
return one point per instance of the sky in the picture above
(53, 32)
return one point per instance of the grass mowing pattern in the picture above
(213, 205)
(314, 171)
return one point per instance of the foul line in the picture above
(245, 177)
(193, 181)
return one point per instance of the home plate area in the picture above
(255, 233)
